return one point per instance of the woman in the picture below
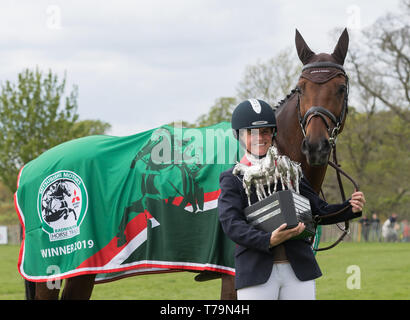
(270, 265)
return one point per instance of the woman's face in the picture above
(257, 140)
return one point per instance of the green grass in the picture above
(168, 286)
(11, 283)
(384, 273)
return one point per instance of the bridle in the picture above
(323, 113)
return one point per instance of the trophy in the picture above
(277, 207)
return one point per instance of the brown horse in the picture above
(311, 117)
(308, 121)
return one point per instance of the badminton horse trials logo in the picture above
(62, 204)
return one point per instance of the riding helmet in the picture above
(253, 113)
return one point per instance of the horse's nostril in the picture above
(325, 146)
(305, 146)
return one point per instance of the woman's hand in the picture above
(281, 234)
(357, 201)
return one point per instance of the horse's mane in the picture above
(283, 101)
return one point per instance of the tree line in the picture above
(35, 115)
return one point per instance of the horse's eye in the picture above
(342, 89)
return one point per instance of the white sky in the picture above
(140, 64)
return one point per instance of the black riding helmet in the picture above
(253, 113)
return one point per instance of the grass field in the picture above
(384, 274)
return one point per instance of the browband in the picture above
(323, 64)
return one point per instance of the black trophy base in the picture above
(282, 207)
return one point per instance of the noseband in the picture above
(319, 111)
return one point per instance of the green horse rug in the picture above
(115, 206)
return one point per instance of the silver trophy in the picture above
(277, 207)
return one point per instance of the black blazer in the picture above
(253, 257)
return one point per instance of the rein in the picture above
(319, 111)
(335, 165)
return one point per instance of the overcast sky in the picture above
(140, 64)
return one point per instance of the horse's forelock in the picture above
(322, 57)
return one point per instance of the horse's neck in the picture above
(289, 141)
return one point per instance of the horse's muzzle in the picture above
(317, 153)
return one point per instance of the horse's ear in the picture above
(302, 48)
(340, 51)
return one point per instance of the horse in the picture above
(80, 287)
(309, 120)
(253, 175)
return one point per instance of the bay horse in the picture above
(308, 122)
(310, 117)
